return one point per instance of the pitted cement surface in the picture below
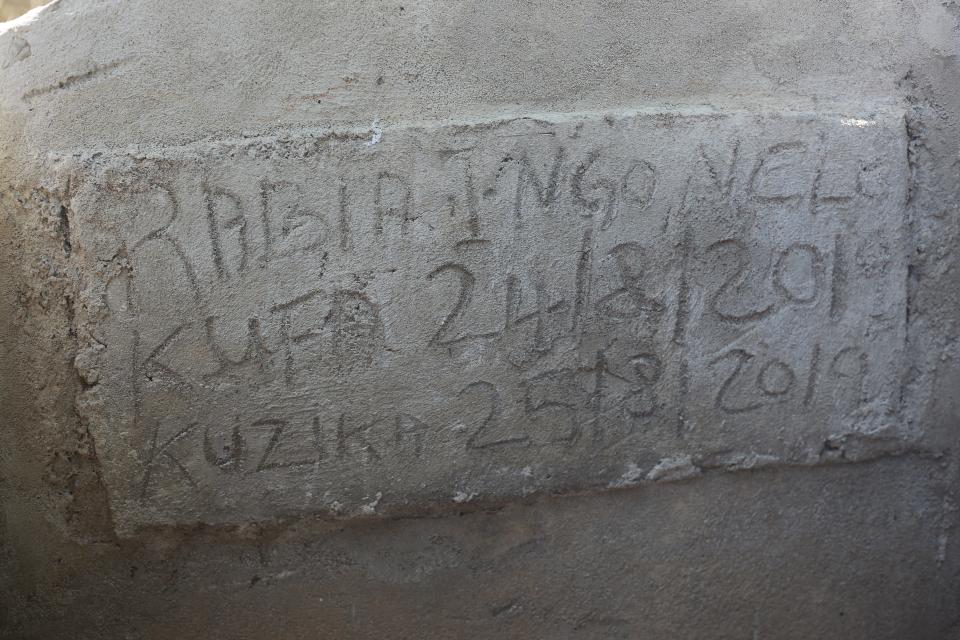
(354, 322)
(487, 320)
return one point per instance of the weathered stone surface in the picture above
(361, 321)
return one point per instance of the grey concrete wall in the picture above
(507, 320)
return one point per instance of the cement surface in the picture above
(444, 319)
(367, 322)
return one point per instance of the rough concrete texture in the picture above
(502, 319)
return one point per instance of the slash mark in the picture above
(71, 80)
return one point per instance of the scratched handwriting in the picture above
(573, 293)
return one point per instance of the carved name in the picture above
(304, 323)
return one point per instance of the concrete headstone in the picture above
(360, 321)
